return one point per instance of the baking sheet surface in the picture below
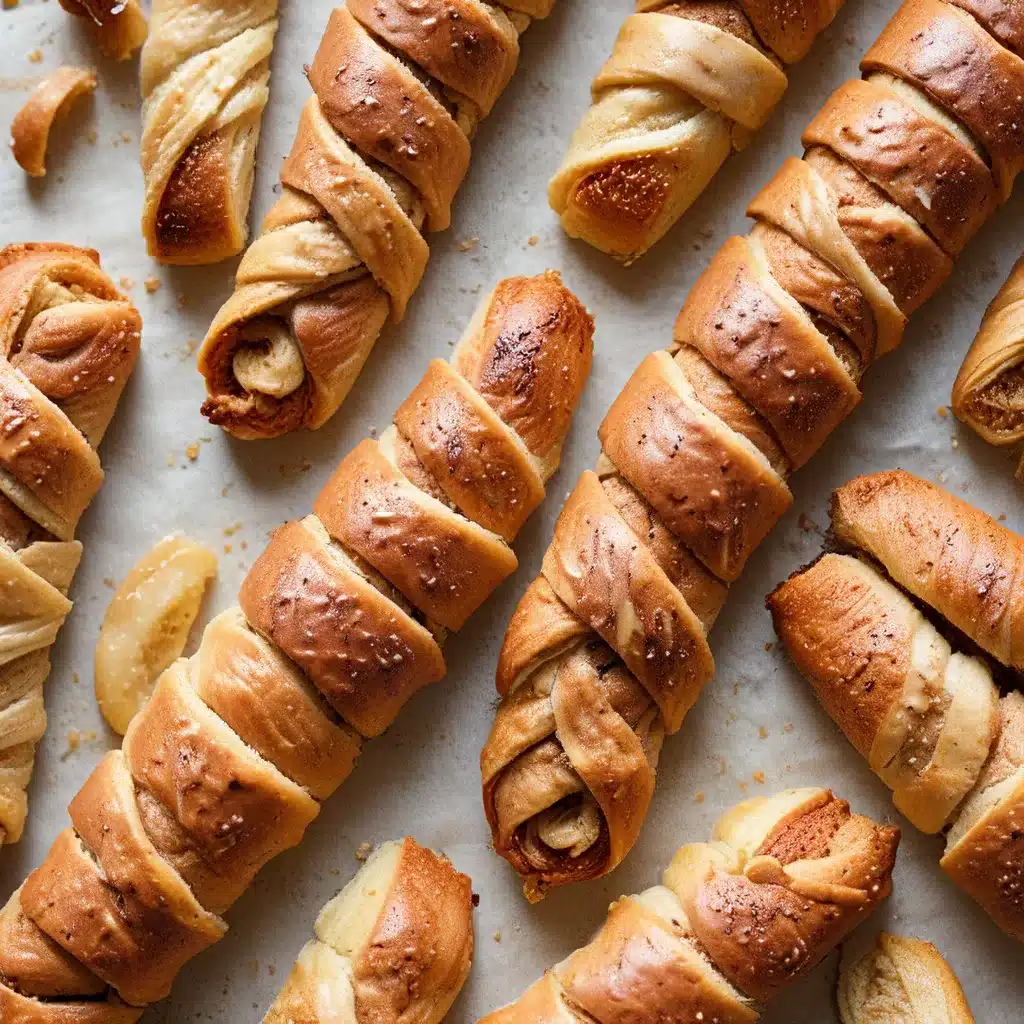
(757, 720)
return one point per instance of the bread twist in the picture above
(608, 649)
(927, 718)
(734, 921)
(205, 69)
(70, 341)
(988, 394)
(686, 84)
(341, 621)
(119, 26)
(393, 946)
(901, 981)
(380, 151)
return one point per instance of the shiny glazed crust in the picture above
(767, 358)
(736, 920)
(69, 341)
(226, 765)
(380, 150)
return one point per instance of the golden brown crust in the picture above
(945, 552)
(50, 100)
(787, 28)
(118, 27)
(923, 168)
(988, 394)
(712, 488)
(362, 652)
(19, 1009)
(444, 564)
(955, 61)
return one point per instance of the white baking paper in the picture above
(422, 777)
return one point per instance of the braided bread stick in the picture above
(205, 69)
(784, 880)
(119, 26)
(608, 647)
(70, 341)
(380, 151)
(988, 394)
(928, 718)
(393, 946)
(686, 84)
(341, 621)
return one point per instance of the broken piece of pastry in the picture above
(919, 700)
(901, 981)
(69, 341)
(119, 26)
(394, 945)
(50, 100)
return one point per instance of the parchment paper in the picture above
(422, 778)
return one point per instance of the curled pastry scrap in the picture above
(686, 84)
(205, 69)
(70, 341)
(50, 100)
(380, 151)
(734, 921)
(119, 26)
(901, 981)
(340, 622)
(988, 394)
(927, 717)
(608, 649)
(394, 944)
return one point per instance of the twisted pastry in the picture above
(205, 68)
(393, 946)
(380, 151)
(784, 880)
(988, 394)
(901, 981)
(686, 84)
(608, 649)
(341, 621)
(70, 341)
(927, 718)
(119, 26)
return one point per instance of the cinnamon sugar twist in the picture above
(608, 648)
(341, 621)
(380, 151)
(70, 342)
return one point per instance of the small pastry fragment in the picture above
(988, 394)
(50, 100)
(901, 981)
(119, 26)
(394, 945)
(147, 624)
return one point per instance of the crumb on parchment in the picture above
(192, 451)
(363, 852)
(152, 284)
(35, 56)
(469, 244)
(698, 797)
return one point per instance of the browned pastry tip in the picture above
(50, 101)
(985, 847)
(988, 394)
(395, 943)
(947, 553)
(119, 26)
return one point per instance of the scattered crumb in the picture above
(225, 490)
(698, 797)
(788, 727)
(769, 646)
(724, 768)
(271, 970)
(942, 412)
(762, 733)
(74, 739)
(227, 549)
(152, 284)
(244, 545)
(1002, 517)
(91, 136)
(108, 582)
(532, 240)
(497, 936)
(35, 56)
(192, 451)
(293, 469)
(476, 899)
(189, 348)
(758, 777)
(942, 477)
(735, 689)
(230, 531)
(127, 283)
(182, 300)
(469, 244)
(172, 460)
(126, 137)
(955, 443)
(364, 851)
(743, 786)
(75, 678)
(807, 524)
